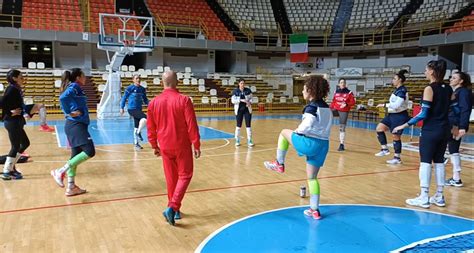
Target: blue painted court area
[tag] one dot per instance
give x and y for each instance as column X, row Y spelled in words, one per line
column 107, row 132
column 343, row 228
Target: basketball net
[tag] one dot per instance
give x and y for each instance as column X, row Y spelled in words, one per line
column 128, row 46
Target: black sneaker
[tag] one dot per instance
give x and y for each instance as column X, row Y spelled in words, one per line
column 341, row 147
column 139, row 135
column 15, row 174
column 452, row 182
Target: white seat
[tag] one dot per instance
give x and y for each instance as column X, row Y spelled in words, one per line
column 28, row 101
column 57, row 72
column 156, row 80
column 268, row 100
column 370, row 102
column 105, row 76
column 186, row 81
column 2, row 88
column 140, row 71
column 194, row 81
column 447, row 75
column 107, row 67
column 253, row 89
column 128, row 74
column 471, row 117
column 410, row 104
column 40, row 65
column 205, row 100
column 155, row 72
column 143, row 75
column 148, row 72
column 217, row 76
column 201, row 81
column 124, row 68
column 187, row 75
column 160, row 69
column 167, row 68
column 31, row 65
column 254, row 100
column 214, row 100
column 101, row 87
column 187, row 69
column 202, row 88
column 224, row 82
column 179, row 75
column 282, row 100
column 213, row 92
column 131, row 68
column 296, row 99
column 57, row 83
column 270, row 95
column 144, row 84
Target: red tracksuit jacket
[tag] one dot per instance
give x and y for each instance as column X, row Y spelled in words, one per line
column 343, row 96
column 171, row 121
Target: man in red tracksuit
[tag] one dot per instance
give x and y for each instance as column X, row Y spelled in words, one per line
column 172, row 131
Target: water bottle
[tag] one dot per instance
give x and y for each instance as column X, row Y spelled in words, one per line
column 303, row 191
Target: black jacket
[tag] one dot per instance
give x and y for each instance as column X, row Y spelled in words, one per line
column 11, row 100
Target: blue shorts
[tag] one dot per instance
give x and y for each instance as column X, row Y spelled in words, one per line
column 393, row 120
column 314, row 149
column 77, row 133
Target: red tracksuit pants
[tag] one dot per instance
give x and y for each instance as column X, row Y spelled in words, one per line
column 178, row 166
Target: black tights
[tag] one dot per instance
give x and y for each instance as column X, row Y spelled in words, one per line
column 16, row 133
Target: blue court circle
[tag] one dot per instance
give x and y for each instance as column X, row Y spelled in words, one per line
column 343, row 228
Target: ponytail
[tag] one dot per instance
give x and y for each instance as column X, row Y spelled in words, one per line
column 401, row 75
column 70, row 76
column 439, row 69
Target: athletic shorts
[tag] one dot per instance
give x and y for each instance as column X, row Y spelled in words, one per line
column 137, row 114
column 314, row 149
column 77, row 133
column 393, row 120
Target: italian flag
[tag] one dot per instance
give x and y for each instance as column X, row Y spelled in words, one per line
column 299, row 47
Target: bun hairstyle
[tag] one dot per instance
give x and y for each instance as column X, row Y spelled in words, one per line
column 401, row 75
column 13, row 73
column 466, row 79
column 439, row 69
column 69, row 76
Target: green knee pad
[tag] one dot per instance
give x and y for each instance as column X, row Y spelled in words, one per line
column 283, row 143
column 313, row 185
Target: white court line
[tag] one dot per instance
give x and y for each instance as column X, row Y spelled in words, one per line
column 151, row 152
column 439, row 238
column 205, row 241
column 57, row 136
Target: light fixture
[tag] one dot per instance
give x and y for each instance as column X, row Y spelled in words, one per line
column 47, row 49
column 33, row 48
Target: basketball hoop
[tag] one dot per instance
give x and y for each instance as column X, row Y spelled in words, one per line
column 128, row 47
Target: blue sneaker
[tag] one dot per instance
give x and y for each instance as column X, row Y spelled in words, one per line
column 169, row 214
column 177, row 216
column 438, row 199
column 15, row 174
column 6, row 176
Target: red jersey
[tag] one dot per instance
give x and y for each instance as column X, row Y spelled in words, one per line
column 171, row 121
column 343, row 97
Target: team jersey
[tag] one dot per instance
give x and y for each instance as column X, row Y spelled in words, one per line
column 136, row 97
column 343, row 100
column 74, row 99
column 398, row 101
column 316, row 121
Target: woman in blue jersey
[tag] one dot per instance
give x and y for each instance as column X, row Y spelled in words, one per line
column 461, row 83
column 74, row 105
column 397, row 108
column 135, row 94
column 310, row 139
column 436, row 130
column 242, row 100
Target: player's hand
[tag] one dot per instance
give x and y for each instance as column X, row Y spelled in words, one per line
column 460, row 134
column 75, row 113
column 197, row 153
column 122, row 112
column 157, row 152
column 26, row 116
column 398, row 128
column 16, row 112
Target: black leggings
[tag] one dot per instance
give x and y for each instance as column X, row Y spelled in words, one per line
column 17, row 135
column 241, row 113
column 89, row 149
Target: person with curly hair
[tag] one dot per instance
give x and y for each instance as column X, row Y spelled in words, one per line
column 310, row 139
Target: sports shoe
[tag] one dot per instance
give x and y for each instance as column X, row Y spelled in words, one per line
column 250, row 144
column 438, row 199
column 46, row 128
column 58, row 178
column 275, row 166
column 395, row 160
column 237, row 142
column 341, row 147
column 452, row 182
column 313, row 213
column 139, row 136
column 6, row 176
column 177, row 215
column 75, row 191
column 419, row 201
column 15, row 174
column 137, row 147
column 169, row 214
column 383, row 152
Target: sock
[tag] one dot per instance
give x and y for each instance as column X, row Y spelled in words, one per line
column 141, row 125
column 425, row 178
column 283, row 145
column 397, row 146
column 8, row 166
column 237, row 133
column 456, row 162
column 382, row 139
column 342, row 136
column 314, row 193
column 440, row 176
column 70, row 182
column 63, row 169
column 135, row 138
column 249, row 134
column 75, row 161
column 42, row 114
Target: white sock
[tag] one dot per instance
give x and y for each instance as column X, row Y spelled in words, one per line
column 281, row 154
column 440, row 176
column 42, row 115
column 135, row 139
column 63, row 169
column 249, row 133
column 314, row 201
column 141, row 125
column 342, row 136
column 384, row 147
column 8, row 166
column 237, row 133
column 456, row 162
column 425, row 178
column 70, row 182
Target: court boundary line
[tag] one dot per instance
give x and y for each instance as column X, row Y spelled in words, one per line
column 213, row 234
column 196, row 191
column 432, row 239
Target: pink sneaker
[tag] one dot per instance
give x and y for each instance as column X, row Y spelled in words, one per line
column 275, row 166
column 312, row 213
column 46, row 128
column 58, row 178
column 75, row 191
